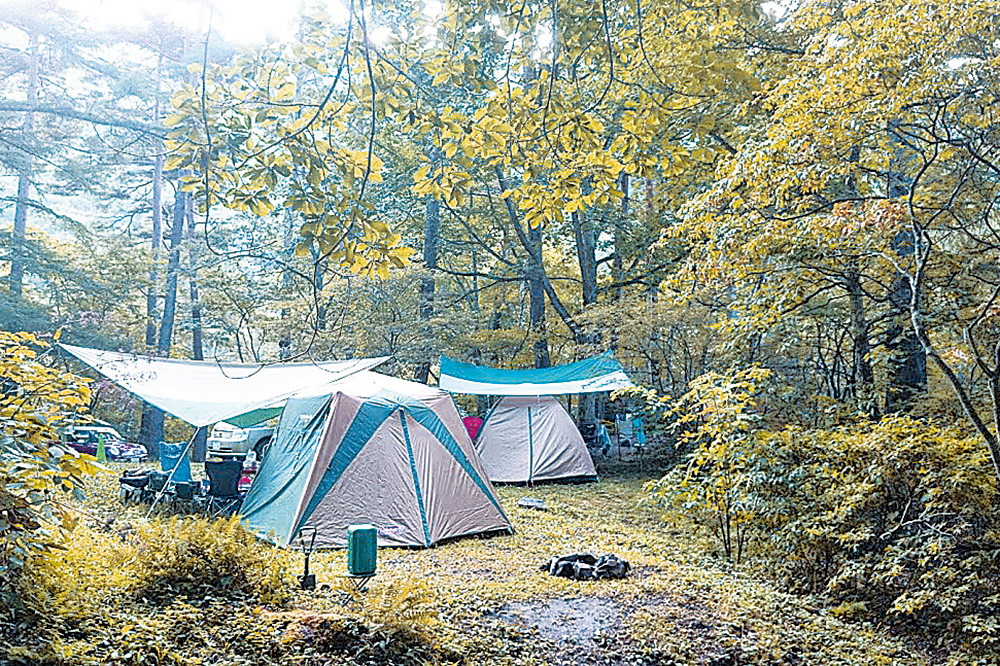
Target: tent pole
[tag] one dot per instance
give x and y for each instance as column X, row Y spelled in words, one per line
column 162, row 490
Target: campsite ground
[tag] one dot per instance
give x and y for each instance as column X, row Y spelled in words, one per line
column 475, row 601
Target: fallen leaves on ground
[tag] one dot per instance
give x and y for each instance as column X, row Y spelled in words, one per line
column 474, row 601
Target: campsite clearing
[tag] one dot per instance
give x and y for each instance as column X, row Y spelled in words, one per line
column 473, row 600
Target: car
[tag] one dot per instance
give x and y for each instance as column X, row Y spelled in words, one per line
column 227, row 440
column 85, row 438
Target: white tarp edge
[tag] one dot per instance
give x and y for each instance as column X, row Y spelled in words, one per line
column 204, row 392
column 609, row 382
column 365, row 384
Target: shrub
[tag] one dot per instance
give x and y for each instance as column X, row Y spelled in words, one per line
column 717, row 418
column 90, row 603
column 392, row 623
column 896, row 520
column 195, row 557
column 407, row 608
column 36, row 401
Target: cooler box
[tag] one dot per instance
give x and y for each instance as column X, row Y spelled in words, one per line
column 362, row 549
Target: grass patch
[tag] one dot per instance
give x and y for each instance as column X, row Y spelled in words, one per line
column 472, row 601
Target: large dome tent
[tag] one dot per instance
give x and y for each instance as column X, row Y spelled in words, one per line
column 378, row 450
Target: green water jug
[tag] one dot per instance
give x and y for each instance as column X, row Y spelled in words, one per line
column 362, row 549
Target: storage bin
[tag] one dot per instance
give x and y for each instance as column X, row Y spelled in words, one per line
column 362, row 550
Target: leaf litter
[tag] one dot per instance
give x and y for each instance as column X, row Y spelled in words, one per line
column 481, row 601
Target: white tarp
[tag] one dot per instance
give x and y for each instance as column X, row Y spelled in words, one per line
column 204, row 392
column 366, row 384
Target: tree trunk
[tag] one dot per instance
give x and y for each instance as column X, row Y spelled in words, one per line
column 173, row 272
column 156, row 234
column 618, row 265
column 319, row 264
column 149, row 432
column 153, row 430
column 862, row 377
column 586, row 253
column 908, row 364
column 20, row 231
column 534, row 277
column 432, row 231
column 285, row 344
column 536, row 295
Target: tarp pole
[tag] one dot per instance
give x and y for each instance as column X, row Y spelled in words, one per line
column 531, row 450
column 162, row 490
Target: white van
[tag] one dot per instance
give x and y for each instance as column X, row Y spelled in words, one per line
column 229, row 440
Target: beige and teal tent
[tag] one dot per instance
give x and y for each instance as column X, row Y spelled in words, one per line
column 526, row 439
column 528, row 436
column 372, row 450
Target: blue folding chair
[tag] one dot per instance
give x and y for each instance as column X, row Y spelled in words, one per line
column 638, row 433
column 171, row 456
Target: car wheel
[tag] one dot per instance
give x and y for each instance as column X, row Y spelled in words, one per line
column 261, row 449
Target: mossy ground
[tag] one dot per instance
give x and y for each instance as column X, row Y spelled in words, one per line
column 488, row 601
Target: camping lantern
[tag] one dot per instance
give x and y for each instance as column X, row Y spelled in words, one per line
column 362, row 550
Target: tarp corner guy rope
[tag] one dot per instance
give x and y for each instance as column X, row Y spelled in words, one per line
column 205, row 392
column 591, row 375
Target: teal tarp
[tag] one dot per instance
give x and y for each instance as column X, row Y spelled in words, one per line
column 598, row 373
column 255, row 417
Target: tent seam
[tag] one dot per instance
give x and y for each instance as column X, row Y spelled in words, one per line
column 416, row 481
column 531, row 449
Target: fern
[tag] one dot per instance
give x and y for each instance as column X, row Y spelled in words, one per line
column 408, row 606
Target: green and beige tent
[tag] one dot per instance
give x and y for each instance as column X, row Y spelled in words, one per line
column 378, row 450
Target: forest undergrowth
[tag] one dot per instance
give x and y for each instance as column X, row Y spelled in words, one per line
column 186, row 592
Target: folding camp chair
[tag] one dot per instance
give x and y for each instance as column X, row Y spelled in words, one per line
column 623, row 429
column 638, row 435
column 131, row 485
column 631, row 436
column 154, row 486
column 604, row 439
column 223, row 497
column 184, row 498
column 172, row 454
